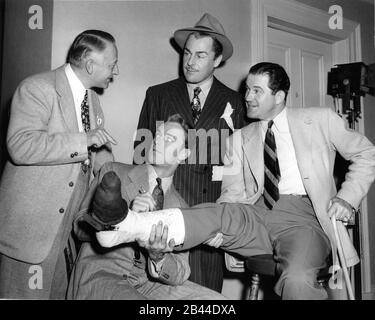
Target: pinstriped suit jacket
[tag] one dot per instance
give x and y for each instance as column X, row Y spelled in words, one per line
column 194, row 181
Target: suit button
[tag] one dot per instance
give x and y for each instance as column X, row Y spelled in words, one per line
column 61, row 210
column 72, row 155
column 71, row 184
column 204, row 191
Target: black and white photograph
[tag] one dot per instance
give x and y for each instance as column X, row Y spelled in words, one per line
column 188, row 155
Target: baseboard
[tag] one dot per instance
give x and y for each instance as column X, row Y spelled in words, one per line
column 369, row 295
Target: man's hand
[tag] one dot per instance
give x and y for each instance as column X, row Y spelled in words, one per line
column 143, row 203
column 99, row 137
column 342, row 209
column 215, row 241
column 157, row 245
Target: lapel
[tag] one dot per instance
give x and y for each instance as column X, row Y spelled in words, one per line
column 139, row 180
column 253, row 150
column 179, row 97
column 96, row 116
column 214, row 106
column 66, row 102
column 300, row 126
column 172, row 199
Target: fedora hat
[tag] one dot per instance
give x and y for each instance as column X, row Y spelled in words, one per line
column 210, row 25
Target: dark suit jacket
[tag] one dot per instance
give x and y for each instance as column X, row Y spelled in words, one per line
column 97, row 270
column 194, row 181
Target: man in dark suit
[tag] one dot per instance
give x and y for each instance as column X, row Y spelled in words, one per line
column 212, row 109
column 56, row 139
column 126, row 272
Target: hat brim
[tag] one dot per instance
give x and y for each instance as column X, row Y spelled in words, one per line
column 181, row 36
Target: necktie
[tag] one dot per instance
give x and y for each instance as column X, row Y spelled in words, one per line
column 271, row 169
column 158, row 195
column 196, row 105
column 85, row 117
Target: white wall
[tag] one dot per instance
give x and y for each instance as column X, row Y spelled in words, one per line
column 143, row 30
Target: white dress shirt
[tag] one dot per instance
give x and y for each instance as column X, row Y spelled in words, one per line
column 290, row 181
column 78, row 91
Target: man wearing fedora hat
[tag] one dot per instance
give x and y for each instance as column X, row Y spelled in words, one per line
column 206, row 104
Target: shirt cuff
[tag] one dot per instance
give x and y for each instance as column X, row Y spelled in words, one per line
column 155, row 267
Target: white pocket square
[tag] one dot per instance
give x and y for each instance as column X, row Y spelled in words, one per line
column 227, row 116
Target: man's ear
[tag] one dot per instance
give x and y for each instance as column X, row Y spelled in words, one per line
column 89, row 66
column 218, row 61
column 280, row 96
column 183, row 154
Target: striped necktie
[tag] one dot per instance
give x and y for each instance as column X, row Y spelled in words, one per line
column 271, row 169
column 196, row 105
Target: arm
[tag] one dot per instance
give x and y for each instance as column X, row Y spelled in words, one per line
column 29, row 141
column 360, row 152
column 356, row 148
column 233, row 184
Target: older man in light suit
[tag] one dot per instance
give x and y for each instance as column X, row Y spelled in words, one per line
column 294, row 203
column 126, row 272
column 56, row 139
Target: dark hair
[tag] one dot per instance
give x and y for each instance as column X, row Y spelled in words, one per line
column 177, row 118
column 278, row 78
column 217, row 47
column 86, row 42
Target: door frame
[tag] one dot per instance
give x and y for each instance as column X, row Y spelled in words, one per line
column 301, row 19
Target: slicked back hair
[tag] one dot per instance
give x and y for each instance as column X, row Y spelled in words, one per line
column 278, row 78
column 86, row 42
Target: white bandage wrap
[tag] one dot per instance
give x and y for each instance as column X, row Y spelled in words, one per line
column 137, row 227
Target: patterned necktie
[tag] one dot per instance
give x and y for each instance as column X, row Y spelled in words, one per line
column 85, row 117
column 271, row 169
column 196, row 105
column 158, row 195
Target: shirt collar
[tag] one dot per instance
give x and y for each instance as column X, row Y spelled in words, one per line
column 165, row 182
column 280, row 122
column 205, row 86
column 78, row 88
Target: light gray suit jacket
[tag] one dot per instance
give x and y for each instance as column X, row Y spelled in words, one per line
column 46, row 151
column 317, row 134
column 96, row 267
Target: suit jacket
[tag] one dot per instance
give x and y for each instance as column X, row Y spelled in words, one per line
column 46, row 151
column 94, row 261
column 194, row 181
column 317, row 134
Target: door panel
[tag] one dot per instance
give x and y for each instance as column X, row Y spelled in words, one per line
column 307, row 62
